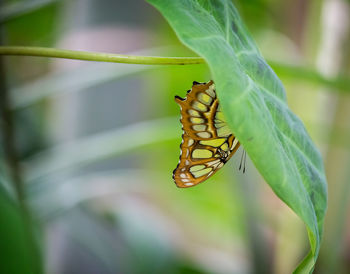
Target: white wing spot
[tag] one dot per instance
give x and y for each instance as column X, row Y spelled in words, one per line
column 204, row 134
column 234, row 144
column 196, row 120
column 199, row 127
column 199, row 106
column 213, row 163
column 220, row 165
column 194, row 113
column 211, row 91
column 190, row 142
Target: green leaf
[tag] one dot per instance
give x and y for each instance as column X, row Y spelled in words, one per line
column 254, row 104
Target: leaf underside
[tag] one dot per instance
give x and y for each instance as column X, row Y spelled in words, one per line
column 254, row 104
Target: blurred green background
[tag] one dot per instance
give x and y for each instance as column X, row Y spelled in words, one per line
column 94, row 144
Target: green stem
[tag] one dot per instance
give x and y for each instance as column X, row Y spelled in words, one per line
column 298, row 72
column 101, row 57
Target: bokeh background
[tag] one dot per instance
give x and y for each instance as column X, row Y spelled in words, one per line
column 95, row 144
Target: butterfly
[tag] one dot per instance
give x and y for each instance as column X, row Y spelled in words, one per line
column 207, row 142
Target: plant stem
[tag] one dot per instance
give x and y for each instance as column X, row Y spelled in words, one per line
column 101, row 57
column 299, row 72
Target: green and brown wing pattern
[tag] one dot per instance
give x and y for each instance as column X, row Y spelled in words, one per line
column 207, row 143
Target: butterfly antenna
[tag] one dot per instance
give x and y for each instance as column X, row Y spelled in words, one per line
column 240, row 165
column 245, row 160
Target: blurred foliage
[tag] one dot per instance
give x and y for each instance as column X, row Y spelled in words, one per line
column 15, row 239
column 120, row 212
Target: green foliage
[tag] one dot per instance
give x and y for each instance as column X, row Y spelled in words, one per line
column 14, row 10
column 15, row 239
column 254, row 103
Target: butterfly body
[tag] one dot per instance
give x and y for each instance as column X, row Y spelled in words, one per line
column 207, row 142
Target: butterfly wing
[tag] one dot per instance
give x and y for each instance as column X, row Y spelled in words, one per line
column 201, row 116
column 207, row 143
